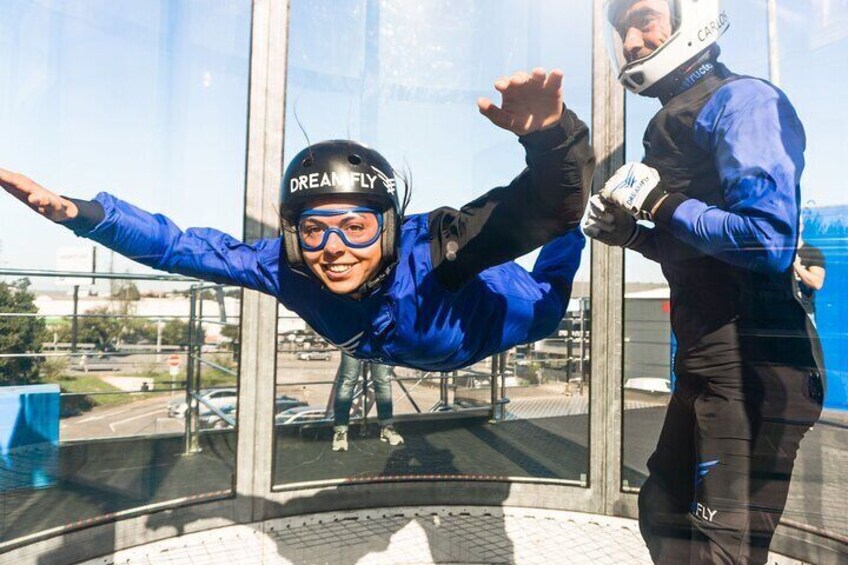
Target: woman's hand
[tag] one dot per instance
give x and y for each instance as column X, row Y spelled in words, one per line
column 48, row 204
column 530, row 101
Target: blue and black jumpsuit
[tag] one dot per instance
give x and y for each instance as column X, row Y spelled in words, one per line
column 749, row 375
column 454, row 296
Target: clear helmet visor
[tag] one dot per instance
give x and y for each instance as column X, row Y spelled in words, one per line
column 637, row 30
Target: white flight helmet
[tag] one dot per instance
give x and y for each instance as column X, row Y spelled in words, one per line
column 695, row 26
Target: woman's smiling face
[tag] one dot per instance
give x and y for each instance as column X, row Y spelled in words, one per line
column 343, row 269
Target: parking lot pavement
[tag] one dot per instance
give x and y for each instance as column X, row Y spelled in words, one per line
column 147, row 416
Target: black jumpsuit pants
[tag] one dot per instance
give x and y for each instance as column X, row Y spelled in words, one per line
column 749, row 385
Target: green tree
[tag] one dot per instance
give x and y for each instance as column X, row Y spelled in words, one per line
column 105, row 328
column 99, row 326
column 231, row 333
column 136, row 330
column 19, row 335
column 128, row 292
column 175, row 332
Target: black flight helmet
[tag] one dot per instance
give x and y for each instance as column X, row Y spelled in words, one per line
column 339, row 168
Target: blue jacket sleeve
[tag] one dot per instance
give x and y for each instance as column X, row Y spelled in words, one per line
column 757, row 142
column 204, row 253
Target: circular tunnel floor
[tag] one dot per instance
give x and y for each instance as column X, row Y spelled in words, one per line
column 407, row 535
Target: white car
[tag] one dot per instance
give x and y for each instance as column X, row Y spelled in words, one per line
column 300, row 415
column 221, row 398
column 649, row 384
column 314, row 356
column 210, row 419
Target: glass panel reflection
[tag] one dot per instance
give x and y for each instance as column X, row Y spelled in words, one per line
column 404, row 77
column 119, row 392
column 806, row 43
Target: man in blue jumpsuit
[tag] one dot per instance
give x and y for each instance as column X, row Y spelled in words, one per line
column 720, row 181
column 435, row 291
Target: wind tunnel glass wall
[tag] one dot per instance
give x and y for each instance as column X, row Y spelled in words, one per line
column 404, row 77
column 117, row 393
column 811, row 41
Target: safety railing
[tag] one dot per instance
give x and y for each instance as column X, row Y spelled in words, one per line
column 85, row 358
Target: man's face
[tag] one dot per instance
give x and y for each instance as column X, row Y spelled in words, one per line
column 643, row 27
column 342, row 269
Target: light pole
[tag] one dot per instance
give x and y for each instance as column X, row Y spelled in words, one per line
column 773, row 50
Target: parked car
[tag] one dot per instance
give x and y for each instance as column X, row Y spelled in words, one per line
column 221, row 398
column 209, row 419
column 284, row 402
column 314, row 356
column 301, row 415
column 649, row 384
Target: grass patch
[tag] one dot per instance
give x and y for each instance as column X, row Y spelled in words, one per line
column 90, row 383
column 209, row 376
column 58, row 371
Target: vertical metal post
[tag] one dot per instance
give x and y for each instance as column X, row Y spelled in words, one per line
column 258, row 354
column 443, row 390
column 159, row 341
column 198, row 342
column 363, row 403
column 569, row 352
column 503, row 399
column 74, row 320
column 493, row 384
column 190, row 444
column 773, row 47
column 607, row 275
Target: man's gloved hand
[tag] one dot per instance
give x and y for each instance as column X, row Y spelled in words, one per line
column 608, row 223
column 635, row 187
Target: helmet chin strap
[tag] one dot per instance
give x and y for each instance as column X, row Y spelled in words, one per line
column 368, row 286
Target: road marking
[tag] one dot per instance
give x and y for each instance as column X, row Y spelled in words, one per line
column 131, row 418
column 90, row 419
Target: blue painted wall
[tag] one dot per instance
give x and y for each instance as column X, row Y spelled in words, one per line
column 827, row 229
column 29, row 436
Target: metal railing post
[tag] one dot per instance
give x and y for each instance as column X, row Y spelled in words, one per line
column 493, row 385
column 364, row 367
column 191, row 444
column 502, row 401
column 74, row 320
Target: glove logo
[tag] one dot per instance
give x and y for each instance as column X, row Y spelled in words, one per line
column 630, row 182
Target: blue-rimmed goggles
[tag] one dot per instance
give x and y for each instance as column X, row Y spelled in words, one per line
column 358, row 227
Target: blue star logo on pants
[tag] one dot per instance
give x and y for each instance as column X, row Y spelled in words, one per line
column 703, row 469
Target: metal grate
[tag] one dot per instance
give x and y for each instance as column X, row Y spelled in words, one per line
column 420, row 535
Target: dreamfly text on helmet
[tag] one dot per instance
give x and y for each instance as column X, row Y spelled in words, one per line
column 318, row 180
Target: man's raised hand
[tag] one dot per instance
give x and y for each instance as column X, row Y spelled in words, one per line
column 530, row 101
column 48, row 204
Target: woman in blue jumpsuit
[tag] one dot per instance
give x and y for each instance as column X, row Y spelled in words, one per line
column 435, row 291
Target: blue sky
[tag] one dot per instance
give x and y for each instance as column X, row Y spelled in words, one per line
column 148, row 100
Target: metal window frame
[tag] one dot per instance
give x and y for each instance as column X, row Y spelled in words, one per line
column 531, row 493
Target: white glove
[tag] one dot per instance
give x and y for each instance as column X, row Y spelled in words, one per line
column 608, row 223
column 636, row 188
